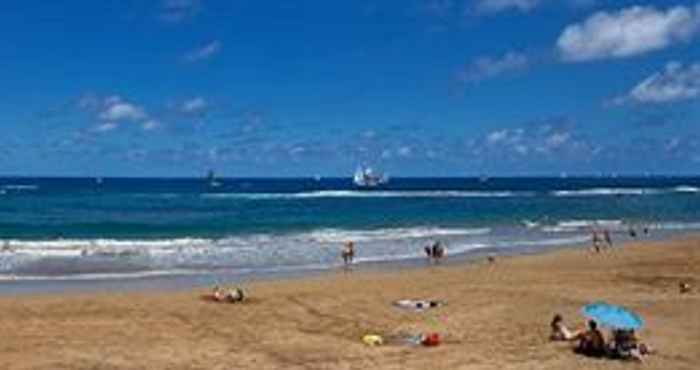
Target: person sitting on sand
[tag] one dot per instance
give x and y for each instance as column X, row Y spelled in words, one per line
column 348, row 253
column 625, row 345
column 592, row 342
column 560, row 332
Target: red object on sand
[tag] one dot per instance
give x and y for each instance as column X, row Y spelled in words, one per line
column 432, row 339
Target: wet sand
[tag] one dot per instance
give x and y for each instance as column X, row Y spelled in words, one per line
column 497, row 317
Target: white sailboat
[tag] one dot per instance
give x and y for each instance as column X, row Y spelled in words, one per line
column 211, row 179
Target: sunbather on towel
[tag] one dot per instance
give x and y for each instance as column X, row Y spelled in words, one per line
column 419, row 305
column 228, row 295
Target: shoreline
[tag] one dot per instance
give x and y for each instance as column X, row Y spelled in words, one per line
column 496, row 317
column 183, row 282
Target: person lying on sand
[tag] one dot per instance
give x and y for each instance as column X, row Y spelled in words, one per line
column 560, row 332
column 418, row 305
column 228, row 295
column 592, row 342
column 625, row 345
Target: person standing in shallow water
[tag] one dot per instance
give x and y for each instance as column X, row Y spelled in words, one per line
column 348, row 253
column 607, row 238
column 595, row 239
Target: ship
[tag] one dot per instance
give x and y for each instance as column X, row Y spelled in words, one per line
column 365, row 177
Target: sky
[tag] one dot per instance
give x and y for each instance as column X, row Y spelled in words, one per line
column 305, row 88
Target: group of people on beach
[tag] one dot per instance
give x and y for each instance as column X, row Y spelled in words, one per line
column 435, row 252
column 623, row 343
column 602, row 238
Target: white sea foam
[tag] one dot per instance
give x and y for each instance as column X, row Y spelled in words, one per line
column 686, row 189
column 605, row 192
column 96, row 247
column 101, row 276
column 340, row 236
column 530, row 224
column 370, row 194
column 579, row 225
column 19, row 187
column 676, row 226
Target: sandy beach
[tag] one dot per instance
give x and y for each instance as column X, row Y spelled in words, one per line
column 497, row 317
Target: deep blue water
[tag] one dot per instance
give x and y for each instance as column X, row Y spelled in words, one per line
column 79, row 227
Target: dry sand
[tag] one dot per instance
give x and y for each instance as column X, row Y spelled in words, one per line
column 497, row 318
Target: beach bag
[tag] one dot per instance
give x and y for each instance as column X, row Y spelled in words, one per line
column 431, row 340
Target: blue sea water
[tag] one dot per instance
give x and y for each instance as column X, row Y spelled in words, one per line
column 85, row 229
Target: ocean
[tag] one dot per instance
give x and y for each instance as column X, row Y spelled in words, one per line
column 119, row 229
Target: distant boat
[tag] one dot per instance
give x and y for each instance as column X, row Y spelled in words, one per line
column 366, row 178
column 98, row 181
column 211, row 180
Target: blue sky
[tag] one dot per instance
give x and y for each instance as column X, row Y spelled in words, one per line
column 298, row 88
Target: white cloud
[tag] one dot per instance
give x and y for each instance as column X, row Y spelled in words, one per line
column 557, row 139
column 524, row 6
column 113, row 111
column 150, row 124
column 88, row 102
column 205, row 52
column 176, row 11
column 105, row 127
column 122, row 111
column 193, row 105
column 495, row 6
column 505, row 136
column 404, row 151
column 627, row 32
column 483, row 68
column 497, row 136
column 113, row 99
column 675, row 83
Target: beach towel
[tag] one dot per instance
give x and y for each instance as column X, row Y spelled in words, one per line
column 373, row 340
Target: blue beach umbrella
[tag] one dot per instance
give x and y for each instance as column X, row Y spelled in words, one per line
column 613, row 316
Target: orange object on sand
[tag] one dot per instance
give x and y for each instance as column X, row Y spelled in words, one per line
column 431, row 340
